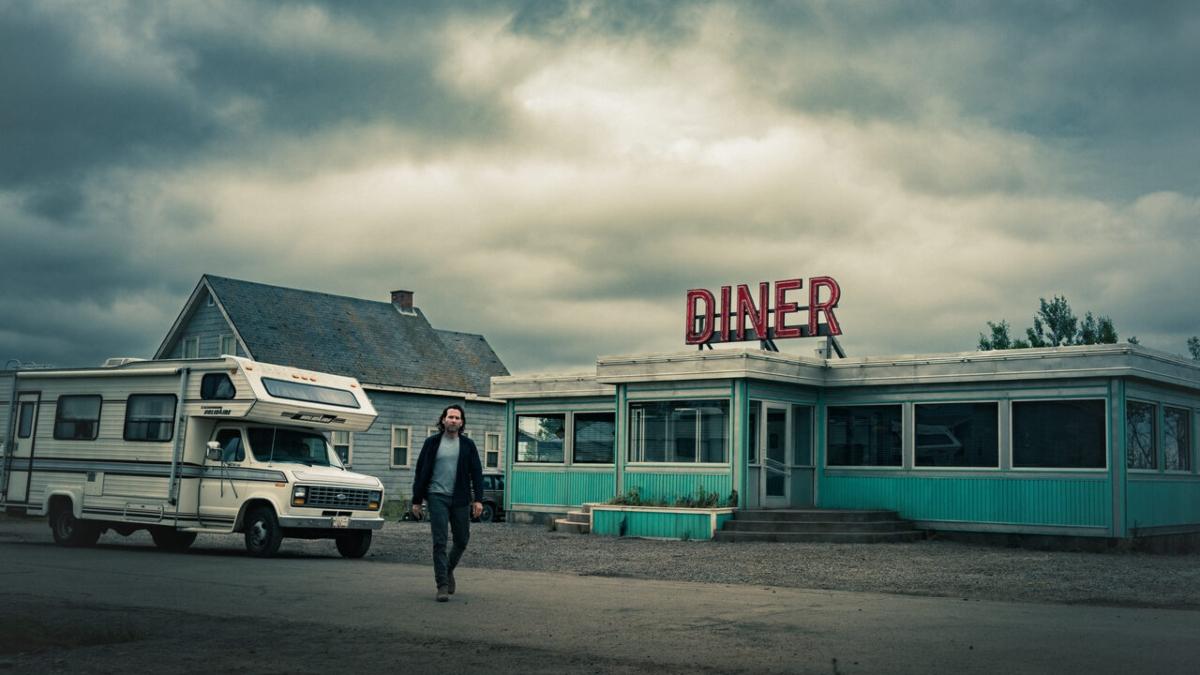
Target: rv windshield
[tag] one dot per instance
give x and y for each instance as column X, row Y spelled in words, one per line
column 280, row 444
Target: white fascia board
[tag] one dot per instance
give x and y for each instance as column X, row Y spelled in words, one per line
column 464, row 395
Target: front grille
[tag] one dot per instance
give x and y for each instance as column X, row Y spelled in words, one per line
column 320, row 496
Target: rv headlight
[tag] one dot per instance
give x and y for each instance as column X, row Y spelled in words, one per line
column 375, row 497
column 299, row 495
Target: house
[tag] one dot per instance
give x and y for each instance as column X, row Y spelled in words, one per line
column 410, row 370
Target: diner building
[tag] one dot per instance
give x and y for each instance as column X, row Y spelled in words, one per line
column 1082, row 441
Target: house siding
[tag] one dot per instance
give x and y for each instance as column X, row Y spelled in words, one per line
column 372, row 448
column 208, row 324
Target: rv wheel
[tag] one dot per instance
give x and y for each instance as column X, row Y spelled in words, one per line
column 263, row 534
column 69, row 530
column 354, row 544
column 170, row 539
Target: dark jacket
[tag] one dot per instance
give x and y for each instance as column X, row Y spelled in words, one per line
column 468, row 480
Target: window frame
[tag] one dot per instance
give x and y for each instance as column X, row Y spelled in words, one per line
column 499, row 450
column 1188, row 416
column 902, row 466
column 25, row 422
column 58, row 419
column 172, row 419
column 306, row 386
column 207, row 377
column 349, row 461
column 912, row 433
column 232, row 341
column 195, row 343
column 408, row 454
column 1012, row 445
column 1156, row 431
column 574, row 430
column 517, row 432
column 729, row 438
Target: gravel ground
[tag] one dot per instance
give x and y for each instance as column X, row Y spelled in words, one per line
column 932, row 567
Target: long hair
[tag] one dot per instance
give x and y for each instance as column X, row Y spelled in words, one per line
column 453, row 406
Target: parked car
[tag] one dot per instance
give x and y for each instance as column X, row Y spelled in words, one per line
column 493, row 497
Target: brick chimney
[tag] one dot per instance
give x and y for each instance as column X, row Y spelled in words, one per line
column 402, row 300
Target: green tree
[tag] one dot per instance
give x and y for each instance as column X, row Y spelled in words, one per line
column 1194, row 346
column 1054, row 325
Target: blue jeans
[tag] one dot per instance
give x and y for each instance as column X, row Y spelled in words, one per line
column 441, row 514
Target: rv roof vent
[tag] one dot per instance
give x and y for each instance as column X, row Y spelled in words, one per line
column 120, row 361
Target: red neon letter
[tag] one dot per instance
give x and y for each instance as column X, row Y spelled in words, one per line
column 693, row 334
column 746, row 308
column 782, row 308
column 815, row 305
column 726, row 314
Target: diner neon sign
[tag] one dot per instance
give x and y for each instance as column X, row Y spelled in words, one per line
column 740, row 316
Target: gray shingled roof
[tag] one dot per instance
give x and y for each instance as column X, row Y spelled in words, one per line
column 369, row 340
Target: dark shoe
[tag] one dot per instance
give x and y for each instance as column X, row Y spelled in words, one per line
column 442, row 594
column 450, row 583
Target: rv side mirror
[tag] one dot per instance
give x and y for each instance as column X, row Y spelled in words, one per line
column 214, row 450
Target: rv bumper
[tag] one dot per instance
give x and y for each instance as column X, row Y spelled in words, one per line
column 330, row 523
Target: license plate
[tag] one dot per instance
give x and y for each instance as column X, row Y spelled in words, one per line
column 341, row 521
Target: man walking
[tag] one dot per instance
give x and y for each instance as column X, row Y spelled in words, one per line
column 450, row 477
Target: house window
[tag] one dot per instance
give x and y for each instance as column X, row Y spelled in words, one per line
column 1058, row 434
column 865, row 435
column 400, row 446
column 209, row 301
column 1177, row 439
column 540, row 438
column 343, row 445
column 228, row 345
column 432, row 431
column 77, row 418
column 150, row 417
column 491, row 450
column 957, row 435
column 595, row 438
column 191, row 347
column 690, row 431
column 1141, row 446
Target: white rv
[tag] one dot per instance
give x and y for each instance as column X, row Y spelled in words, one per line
column 187, row 446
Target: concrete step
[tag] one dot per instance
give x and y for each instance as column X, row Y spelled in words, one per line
column 823, row 537
column 570, row 526
column 740, row 525
column 816, row 515
column 579, row 517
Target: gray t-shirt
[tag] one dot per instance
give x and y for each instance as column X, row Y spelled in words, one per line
column 445, row 469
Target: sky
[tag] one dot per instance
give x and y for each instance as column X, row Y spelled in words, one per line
column 557, row 175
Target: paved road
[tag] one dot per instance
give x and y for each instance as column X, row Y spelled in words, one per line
column 509, row 619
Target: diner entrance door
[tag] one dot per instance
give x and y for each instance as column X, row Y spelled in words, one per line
column 776, row 459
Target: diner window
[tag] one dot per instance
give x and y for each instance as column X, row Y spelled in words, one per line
column 401, row 444
column 540, row 438
column 150, row 417
column 191, row 348
column 343, row 445
column 1141, row 446
column 690, row 432
column 217, row 387
column 77, row 418
column 802, row 434
column 595, row 438
column 865, row 435
column 1177, row 439
column 957, row 435
column 1058, row 434
column 491, row 450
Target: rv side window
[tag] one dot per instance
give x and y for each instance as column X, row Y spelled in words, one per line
column 217, row 387
column 232, row 449
column 25, row 427
column 150, row 417
column 298, row 391
column 77, row 418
